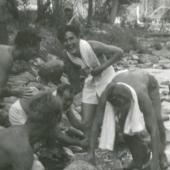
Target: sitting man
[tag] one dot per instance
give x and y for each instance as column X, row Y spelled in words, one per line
column 134, row 96
column 18, row 114
column 44, row 113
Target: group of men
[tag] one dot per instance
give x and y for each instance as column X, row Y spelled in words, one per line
column 133, row 96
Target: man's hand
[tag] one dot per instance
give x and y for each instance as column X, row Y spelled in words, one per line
column 84, row 143
column 23, row 92
column 97, row 71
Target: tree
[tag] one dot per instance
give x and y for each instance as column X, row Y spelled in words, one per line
column 42, row 9
column 114, row 10
column 90, row 12
column 57, row 12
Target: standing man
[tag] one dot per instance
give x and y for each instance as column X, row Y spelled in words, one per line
column 7, row 8
column 71, row 18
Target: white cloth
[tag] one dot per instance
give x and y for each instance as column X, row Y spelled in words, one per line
column 98, row 83
column 17, row 115
column 88, row 56
column 107, row 138
column 134, row 122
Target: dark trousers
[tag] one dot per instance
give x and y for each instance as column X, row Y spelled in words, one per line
column 139, row 149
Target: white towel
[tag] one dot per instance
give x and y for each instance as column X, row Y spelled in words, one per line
column 88, row 57
column 107, row 138
column 17, row 115
column 134, row 122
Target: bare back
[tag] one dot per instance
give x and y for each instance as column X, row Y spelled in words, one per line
column 15, row 150
column 138, row 79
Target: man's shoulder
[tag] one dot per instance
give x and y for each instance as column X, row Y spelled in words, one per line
column 5, row 47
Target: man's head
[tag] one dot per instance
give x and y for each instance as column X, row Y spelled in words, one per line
column 65, row 93
column 44, row 109
column 70, row 37
column 120, row 97
column 68, row 11
column 27, row 44
column 51, row 71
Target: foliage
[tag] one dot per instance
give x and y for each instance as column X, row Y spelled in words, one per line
column 115, row 35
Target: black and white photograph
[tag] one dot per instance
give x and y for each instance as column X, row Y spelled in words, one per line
column 84, row 84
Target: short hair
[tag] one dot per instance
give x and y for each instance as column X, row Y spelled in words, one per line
column 51, row 71
column 44, row 109
column 67, row 28
column 27, row 37
column 61, row 88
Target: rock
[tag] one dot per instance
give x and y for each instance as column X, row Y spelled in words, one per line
column 135, row 57
column 166, row 107
column 80, row 165
column 157, row 46
column 168, row 45
column 166, row 66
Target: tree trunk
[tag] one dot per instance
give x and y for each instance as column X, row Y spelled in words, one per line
column 57, row 12
column 90, row 12
column 114, row 10
column 39, row 10
column 3, row 33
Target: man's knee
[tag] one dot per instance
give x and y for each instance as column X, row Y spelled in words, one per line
column 139, row 149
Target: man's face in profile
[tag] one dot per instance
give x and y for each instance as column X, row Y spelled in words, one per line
column 67, row 99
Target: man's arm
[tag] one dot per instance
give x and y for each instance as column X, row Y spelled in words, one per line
column 67, row 140
column 98, row 122
column 73, row 120
column 152, row 127
column 116, row 54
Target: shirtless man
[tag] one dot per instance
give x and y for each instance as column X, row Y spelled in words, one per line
column 44, row 113
column 27, row 44
column 147, row 90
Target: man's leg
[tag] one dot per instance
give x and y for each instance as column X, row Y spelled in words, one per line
column 139, row 150
column 154, row 95
column 88, row 114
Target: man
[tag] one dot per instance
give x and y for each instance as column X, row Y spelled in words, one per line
column 26, row 47
column 120, row 96
column 70, row 17
column 44, row 113
column 7, row 8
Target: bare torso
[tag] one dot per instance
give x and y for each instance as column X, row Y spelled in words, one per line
column 138, row 79
column 15, row 150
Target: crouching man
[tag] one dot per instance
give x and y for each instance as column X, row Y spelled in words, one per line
column 16, row 153
column 134, row 96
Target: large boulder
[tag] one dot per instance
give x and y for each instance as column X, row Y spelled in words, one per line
column 80, row 165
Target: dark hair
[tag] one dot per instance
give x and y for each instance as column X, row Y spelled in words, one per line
column 51, row 71
column 44, row 109
column 71, row 28
column 61, row 88
column 27, row 37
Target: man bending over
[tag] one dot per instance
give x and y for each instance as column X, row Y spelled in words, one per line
column 135, row 97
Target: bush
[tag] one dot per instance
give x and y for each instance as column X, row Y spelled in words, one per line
column 121, row 37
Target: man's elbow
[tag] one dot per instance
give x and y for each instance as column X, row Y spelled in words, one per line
column 120, row 53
